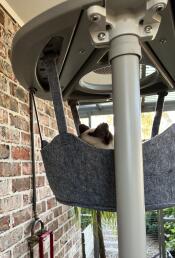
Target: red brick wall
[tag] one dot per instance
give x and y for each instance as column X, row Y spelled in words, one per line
column 15, row 165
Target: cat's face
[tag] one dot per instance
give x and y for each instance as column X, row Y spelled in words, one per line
column 99, row 137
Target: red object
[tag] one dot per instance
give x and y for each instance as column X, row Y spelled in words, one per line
column 42, row 238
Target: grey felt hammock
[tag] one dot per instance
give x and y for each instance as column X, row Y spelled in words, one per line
column 82, row 175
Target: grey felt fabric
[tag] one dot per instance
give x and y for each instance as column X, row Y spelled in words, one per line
column 81, row 175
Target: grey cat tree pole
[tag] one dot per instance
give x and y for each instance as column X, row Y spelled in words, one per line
column 121, row 25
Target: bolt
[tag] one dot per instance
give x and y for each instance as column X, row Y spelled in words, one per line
column 82, row 51
column 95, row 17
column 148, row 28
column 163, row 41
column 160, row 7
column 101, row 36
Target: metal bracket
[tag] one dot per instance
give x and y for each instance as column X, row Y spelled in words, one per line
column 107, row 23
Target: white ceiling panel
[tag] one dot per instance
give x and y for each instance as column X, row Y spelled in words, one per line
column 27, row 9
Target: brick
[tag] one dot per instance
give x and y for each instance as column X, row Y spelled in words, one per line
column 4, row 224
column 71, row 213
column 10, row 203
column 20, row 249
column 22, row 216
column 14, row 105
column 36, row 251
column 8, row 102
column 68, row 246
column 46, row 255
column 4, row 133
column 49, row 111
column 26, row 168
column 57, row 211
column 3, row 50
column 53, row 225
column 6, row 69
column 40, row 104
column 41, row 207
column 10, row 239
column 18, row 92
column 4, row 151
column 66, row 208
column 25, row 138
column 20, row 184
column 27, row 255
column 13, row 88
column 47, row 217
column 5, row 101
column 5, row 37
column 44, row 119
column 7, row 254
column 49, row 132
column 5, row 187
column 27, row 229
column 14, row 136
column 58, row 234
column 40, row 181
column 3, row 116
column 67, row 226
column 40, row 167
column 62, row 219
column 19, row 122
column 61, row 254
column 10, row 169
column 53, row 124
column 44, row 192
column 20, row 153
column 51, row 203
column 77, row 255
column 27, row 198
column 24, row 109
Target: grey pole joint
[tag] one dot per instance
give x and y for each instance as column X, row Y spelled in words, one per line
column 110, row 22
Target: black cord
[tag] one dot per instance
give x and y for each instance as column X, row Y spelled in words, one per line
column 32, row 153
column 37, row 119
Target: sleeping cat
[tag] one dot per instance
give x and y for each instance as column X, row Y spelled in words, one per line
column 99, row 137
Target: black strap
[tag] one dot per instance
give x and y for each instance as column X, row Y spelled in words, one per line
column 158, row 115
column 77, row 122
column 55, row 88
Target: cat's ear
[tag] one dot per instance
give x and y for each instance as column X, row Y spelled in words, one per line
column 102, row 132
column 83, row 128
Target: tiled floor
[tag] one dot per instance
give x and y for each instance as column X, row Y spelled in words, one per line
column 111, row 244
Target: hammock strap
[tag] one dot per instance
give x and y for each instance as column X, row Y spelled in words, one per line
column 32, row 155
column 76, row 118
column 158, row 115
column 55, row 89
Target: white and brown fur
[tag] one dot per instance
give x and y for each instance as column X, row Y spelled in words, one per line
column 99, row 137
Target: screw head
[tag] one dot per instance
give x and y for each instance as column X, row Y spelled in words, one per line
column 148, row 28
column 82, row 51
column 95, row 17
column 101, row 36
column 160, row 7
column 163, row 41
